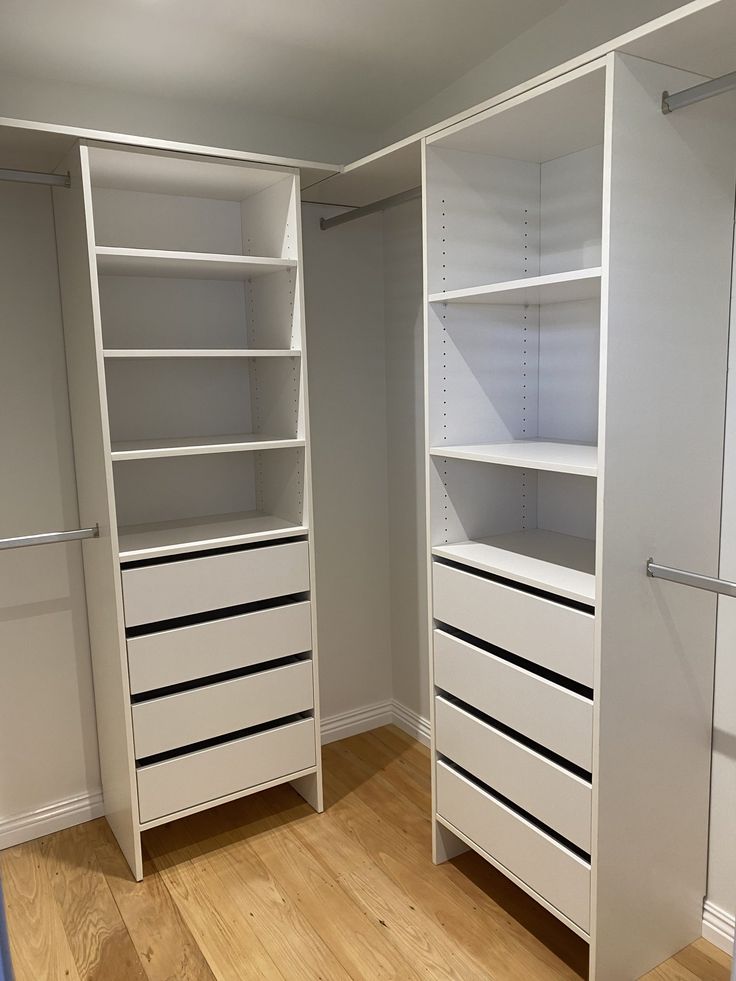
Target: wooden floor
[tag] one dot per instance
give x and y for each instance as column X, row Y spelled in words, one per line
column 265, row 888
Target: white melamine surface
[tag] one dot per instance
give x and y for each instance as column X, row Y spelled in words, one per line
column 552, row 794
column 177, row 174
column 169, row 657
column 528, row 453
column 542, row 863
column 148, row 449
column 211, row 582
column 192, row 265
column 564, row 287
column 540, row 630
column 225, row 770
column 562, row 564
column 547, row 713
column 199, row 353
column 153, row 540
column 189, row 717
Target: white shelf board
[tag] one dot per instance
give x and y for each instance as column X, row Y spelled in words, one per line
column 186, row 265
column 149, row 541
column 147, row 449
column 133, row 353
column 529, row 454
column 560, row 564
column 579, row 284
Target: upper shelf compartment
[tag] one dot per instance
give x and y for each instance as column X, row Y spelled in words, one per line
column 517, row 192
column 150, row 201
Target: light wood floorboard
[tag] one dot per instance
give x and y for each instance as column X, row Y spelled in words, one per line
column 266, row 888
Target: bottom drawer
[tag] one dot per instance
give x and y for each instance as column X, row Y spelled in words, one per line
column 218, row 771
column 556, row 874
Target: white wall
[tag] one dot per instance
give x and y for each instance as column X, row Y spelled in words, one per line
column 346, row 348
column 231, row 127
column 48, row 743
column 571, row 30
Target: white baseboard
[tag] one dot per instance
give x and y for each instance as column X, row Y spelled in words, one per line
column 408, row 720
column 54, row 817
column 357, row 720
column 719, row 926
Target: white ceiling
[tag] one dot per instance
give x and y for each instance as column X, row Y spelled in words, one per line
column 357, row 63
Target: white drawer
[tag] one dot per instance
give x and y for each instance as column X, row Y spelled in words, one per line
column 550, row 793
column 167, row 723
column 186, row 653
column 556, row 636
column 213, row 582
column 547, row 867
column 553, row 716
column 220, row 771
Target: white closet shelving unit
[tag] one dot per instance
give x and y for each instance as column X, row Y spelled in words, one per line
column 182, row 294
column 577, row 247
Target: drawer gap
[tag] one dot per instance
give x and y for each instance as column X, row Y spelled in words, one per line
column 228, row 737
column 205, row 553
column 499, row 798
column 531, row 666
column 208, row 616
column 518, row 737
column 514, row 584
column 210, row 679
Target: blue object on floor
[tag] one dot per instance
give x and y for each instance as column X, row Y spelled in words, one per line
column 6, row 968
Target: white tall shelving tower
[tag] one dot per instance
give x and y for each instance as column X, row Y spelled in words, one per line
column 577, row 268
column 182, row 294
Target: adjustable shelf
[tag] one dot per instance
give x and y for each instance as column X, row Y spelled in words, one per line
column 149, row 449
column 140, row 353
column 156, row 539
column 559, row 564
column 188, row 265
column 532, row 454
column 564, row 287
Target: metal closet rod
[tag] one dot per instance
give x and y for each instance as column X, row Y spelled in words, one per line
column 32, row 177
column 50, row 538
column 369, row 209
column 705, row 90
column 711, row 583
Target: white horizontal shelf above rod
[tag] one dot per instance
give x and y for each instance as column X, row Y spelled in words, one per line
column 560, row 564
column 148, row 449
column 580, row 284
column 528, row 454
column 185, row 265
column 139, row 353
column 148, row 541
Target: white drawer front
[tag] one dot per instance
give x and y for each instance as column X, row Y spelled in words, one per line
column 552, row 794
column 186, row 653
column 213, row 582
column 167, row 723
column 197, row 778
column 558, row 637
column 547, row 867
column 558, row 719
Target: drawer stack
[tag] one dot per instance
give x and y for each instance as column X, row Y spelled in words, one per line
column 221, row 676
column 513, row 712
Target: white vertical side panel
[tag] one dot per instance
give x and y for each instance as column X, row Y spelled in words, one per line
column 83, row 338
column 309, row 787
column 664, row 336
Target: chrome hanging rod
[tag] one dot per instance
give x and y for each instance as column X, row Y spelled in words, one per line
column 31, row 177
column 50, row 538
column 705, row 90
column 713, row 585
column 369, row 209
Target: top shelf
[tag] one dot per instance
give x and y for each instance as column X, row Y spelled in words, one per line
column 579, row 284
column 185, row 265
